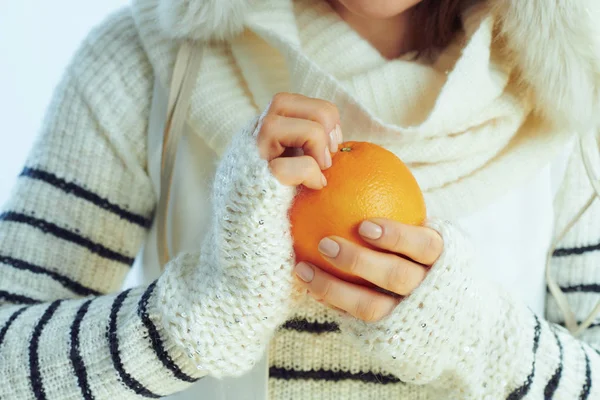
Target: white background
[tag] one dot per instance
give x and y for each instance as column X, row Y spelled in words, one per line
column 37, row 40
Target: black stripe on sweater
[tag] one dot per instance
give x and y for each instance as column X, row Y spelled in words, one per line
column 587, row 386
column 78, row 191
column 555, row 380
column 583, row 288
column 35, row 375
column 68, row 283
column 155, row 340
column 62, row 233
column 303, row 325
column 522, row 391
column 575, row 251
column 16, row 298
column 113, row 343
column 10, row 321
column 331, row 376
column 75, row 355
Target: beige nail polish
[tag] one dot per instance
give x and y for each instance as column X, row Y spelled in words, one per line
column 324, row 180
column 338, row 132
column 328, row 161
column 370, row 230
column 305, row 272
column 329, row 248
column 333, row 141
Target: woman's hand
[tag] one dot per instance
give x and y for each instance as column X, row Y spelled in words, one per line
column 293, row 121
column 414, row 250
column 209, row 308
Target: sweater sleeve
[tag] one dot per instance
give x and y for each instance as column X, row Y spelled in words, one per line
column 75, row 222
column 471, row 340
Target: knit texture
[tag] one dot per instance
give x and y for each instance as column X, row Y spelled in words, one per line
column 459, row 335
column 75, row 222
column 83, row 206
column 224, row 305
column 458, row 121
column 457, row 131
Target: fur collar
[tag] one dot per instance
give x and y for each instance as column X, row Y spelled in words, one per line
column 554, row 44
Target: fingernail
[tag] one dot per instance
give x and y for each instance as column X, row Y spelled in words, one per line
column 305, row 272
column 324, row 180
column 338, row 132
column 370, row 230
column 327, row 158
column 329, row 248
column 333, row 141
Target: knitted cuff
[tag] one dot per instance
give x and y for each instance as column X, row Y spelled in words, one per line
column 223, row 305
column 436, row 326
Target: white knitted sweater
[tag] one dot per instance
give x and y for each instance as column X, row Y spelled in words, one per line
column 84, row 203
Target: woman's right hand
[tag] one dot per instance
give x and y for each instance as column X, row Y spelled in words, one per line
column 222, row 304
column 296, row 122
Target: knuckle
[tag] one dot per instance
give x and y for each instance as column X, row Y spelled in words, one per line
column 325, row 291
column 269, row 126
column 437, row 245
column 316, row 131
column 367, row 309
column 432, row 246
column 397, row 277
column 355, row 261
column 398, row 239
column 327, row 114
column 321, row 116
column 332, row 111
column 278, row 101
column 276, row 166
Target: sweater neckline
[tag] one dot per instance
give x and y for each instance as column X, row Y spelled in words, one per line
column 400, row 92
column 462, row 139
column 333, row 44
column 474, row 131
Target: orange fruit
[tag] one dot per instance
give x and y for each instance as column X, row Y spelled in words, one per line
column 365, row 181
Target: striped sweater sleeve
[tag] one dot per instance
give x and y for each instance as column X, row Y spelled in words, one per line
column 75, row 221
column 69, row 234
column 468, row 339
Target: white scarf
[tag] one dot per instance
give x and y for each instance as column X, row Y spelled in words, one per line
column 468, row 136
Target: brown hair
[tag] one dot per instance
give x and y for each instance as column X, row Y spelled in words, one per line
column 435, row 22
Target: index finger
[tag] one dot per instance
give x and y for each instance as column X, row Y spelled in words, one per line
column 295, row 105
column 422, row 245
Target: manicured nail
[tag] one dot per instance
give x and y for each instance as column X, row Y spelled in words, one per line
column 370, row 230
column 305, row 272
column 324, row 180
column 338, row 132
column 333, row 141
column 329, row 248
column 328, row 161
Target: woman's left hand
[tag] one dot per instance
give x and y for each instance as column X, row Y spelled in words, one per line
column 414, row 250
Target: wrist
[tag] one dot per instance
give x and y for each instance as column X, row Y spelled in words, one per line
column 220, row 322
